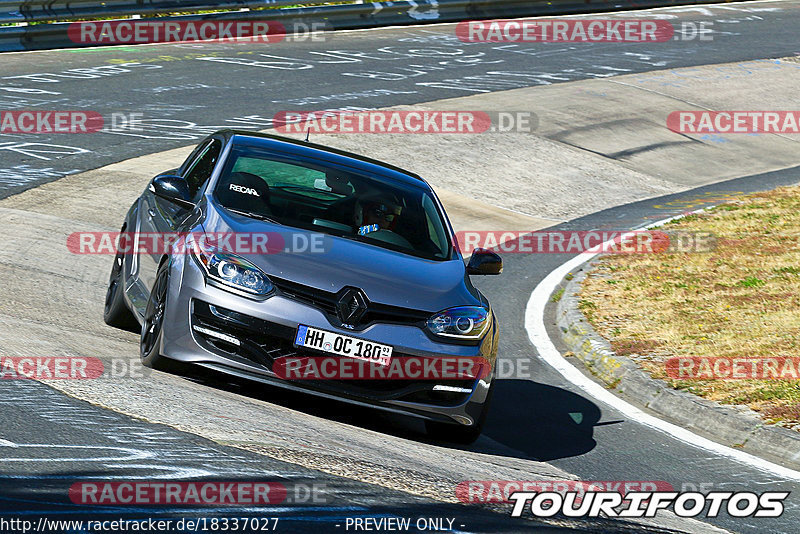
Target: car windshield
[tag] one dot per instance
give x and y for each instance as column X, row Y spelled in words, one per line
column 317, row 196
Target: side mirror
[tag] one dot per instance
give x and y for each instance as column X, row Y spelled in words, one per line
column 484, row 262
column 172, row 188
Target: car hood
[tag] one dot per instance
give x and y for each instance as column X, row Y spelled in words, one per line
column 385, row 276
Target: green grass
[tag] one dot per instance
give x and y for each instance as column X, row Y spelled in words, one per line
column 739, row 300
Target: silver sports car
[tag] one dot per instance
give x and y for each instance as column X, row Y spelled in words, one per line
column 312, row 269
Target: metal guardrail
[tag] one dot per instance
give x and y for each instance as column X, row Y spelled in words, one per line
column 12, row 11
column 339, row 16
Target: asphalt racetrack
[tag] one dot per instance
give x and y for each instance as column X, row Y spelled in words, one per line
column 368, row 465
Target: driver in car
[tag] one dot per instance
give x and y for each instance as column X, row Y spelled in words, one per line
column 374, row 214
column 382, row 214
column 378, row 217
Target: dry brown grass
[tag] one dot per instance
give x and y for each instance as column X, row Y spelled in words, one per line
column 740, row 300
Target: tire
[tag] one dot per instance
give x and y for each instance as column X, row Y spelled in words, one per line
column 153, row 324
column 116, row 313
column 456, row 433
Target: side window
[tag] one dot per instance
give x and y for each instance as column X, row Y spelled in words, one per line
column 187, row 163
column 200, row 170
column 436, row 232
column 277, row 173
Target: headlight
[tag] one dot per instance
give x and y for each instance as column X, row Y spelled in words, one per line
column 464, row 322
column 232, row 270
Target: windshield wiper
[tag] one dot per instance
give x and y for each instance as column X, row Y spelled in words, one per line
column 253, row 215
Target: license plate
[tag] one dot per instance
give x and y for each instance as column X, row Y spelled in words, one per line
column 351, row 347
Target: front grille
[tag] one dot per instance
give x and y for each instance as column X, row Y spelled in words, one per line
column 322, row 300
column 325, row 301
column 262, row 342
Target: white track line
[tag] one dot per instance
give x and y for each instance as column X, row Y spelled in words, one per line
column 537, row 333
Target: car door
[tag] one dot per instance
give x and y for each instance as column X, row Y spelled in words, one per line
column 160, row 217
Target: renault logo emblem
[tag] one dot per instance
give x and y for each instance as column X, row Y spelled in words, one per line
column 351, row 306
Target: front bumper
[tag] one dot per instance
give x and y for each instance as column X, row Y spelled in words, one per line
column 265, row 330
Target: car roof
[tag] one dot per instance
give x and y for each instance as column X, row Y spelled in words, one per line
column 305, row 149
